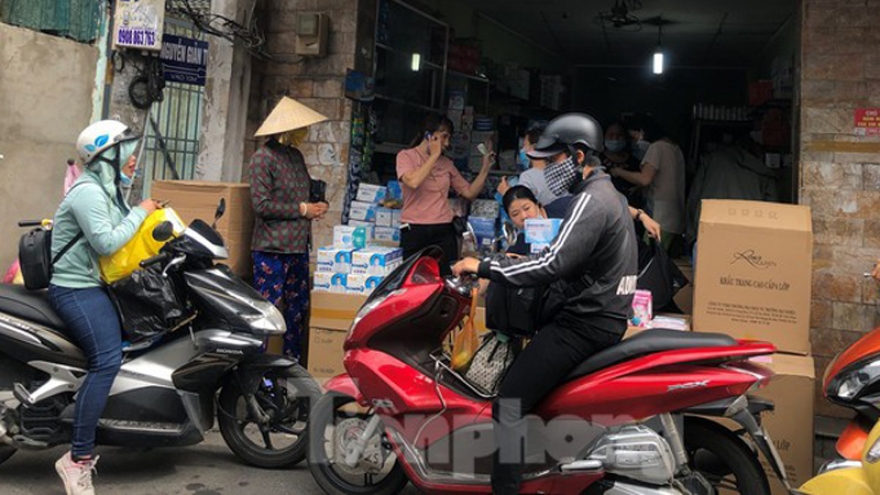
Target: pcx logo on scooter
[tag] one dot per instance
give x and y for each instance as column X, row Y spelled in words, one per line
column 688, row 386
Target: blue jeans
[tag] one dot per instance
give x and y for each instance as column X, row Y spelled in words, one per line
column 91, row 319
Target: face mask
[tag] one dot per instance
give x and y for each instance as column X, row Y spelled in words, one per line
column 640, row 148
column 294, row 138
column 615, row 145
column 561, row 176
column 124, row 180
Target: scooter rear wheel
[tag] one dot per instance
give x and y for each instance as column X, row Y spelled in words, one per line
column 333, row 412
column 723, row 458
column 284, row 441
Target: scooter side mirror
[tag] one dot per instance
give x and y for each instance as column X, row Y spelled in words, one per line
column 163, row 231
column 468, row 240
column 221, row 209
column 509, row 232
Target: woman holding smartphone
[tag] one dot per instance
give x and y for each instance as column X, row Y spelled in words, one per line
column 425, row 177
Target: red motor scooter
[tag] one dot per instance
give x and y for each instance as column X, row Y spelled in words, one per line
column 629, row 420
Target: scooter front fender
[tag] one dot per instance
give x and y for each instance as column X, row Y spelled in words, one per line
column 345, row 384
column 851, row 481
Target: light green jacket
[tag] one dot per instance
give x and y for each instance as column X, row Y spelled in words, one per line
column 91, row 206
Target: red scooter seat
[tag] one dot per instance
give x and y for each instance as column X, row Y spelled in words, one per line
column 648, row 342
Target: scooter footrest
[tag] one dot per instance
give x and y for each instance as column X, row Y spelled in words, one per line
column 22, row 394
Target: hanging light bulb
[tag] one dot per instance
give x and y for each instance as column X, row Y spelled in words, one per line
column 658, row 53
column 658, row 61
column 416, row 62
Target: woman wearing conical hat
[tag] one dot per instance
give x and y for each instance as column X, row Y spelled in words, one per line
column 279, row 183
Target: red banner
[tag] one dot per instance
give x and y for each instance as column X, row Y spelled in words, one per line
column 867, row 121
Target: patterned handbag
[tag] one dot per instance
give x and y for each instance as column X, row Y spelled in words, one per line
column 491, row 360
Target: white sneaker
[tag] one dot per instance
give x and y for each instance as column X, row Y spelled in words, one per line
column 77, row 476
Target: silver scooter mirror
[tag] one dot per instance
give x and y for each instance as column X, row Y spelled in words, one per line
column 509, row 232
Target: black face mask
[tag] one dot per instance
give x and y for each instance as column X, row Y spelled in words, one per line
column 561, row 176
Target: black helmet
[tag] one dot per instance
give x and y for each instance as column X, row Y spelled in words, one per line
column 567, row 130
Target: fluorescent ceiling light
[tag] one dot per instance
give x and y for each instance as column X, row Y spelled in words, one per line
column 416, row 62
column 658, row 62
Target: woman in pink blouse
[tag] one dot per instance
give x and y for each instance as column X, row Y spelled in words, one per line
column 426, row 176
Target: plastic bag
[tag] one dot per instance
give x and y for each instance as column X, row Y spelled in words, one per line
column 147, row 303
column 13, row 275
column 466, row 342
column 141, row 246
column 660, row 275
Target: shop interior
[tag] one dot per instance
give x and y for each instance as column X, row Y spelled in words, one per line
column 711, row 73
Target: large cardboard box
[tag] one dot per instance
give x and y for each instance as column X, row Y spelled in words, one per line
column 790, row 425
column 195, row 199
column 330, row 318
column 325, row 352
column 754, row 272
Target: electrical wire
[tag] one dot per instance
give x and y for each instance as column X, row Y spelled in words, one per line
column 248, row 35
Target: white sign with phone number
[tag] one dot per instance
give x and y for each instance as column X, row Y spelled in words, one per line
column 138, row 24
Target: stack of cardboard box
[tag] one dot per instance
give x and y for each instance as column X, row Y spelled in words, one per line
column 370, row 209
column 199, row 200
column 754, row 281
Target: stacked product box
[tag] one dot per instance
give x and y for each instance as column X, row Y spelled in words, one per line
column 484, row 228
column 362, row 283
column 353, row 236
column 376, row 260
column 370, row 266
column 387, row 235
column 363, row 212
column 540, row 232
column 371, row 193
column 334, row 265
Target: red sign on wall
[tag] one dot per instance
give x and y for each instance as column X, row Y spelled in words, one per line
column 868, row 121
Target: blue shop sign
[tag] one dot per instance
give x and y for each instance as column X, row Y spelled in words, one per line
column 185, row 60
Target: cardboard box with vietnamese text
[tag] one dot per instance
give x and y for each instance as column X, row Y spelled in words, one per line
column 754, row 272
column 199, row 200
column 790, row 424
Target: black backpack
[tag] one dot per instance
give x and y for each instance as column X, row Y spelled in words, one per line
column 35, row 257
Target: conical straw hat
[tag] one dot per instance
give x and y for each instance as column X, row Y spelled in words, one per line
column 288, row 115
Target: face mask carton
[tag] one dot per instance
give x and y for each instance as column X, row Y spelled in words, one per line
column 376, row 260
column 542, row 230
column 334, row 260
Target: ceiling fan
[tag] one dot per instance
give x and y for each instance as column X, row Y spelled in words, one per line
column 620, row 16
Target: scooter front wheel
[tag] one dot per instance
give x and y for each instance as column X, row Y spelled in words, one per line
column 286, row 396
column 336, row 421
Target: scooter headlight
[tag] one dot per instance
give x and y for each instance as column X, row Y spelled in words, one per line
column 268, row 320
column 849, row 383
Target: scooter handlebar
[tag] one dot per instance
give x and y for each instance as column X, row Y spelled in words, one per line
column 30, row 223
column 155, row 259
